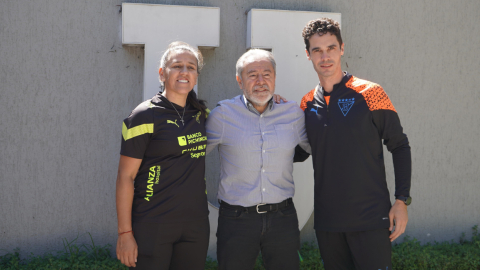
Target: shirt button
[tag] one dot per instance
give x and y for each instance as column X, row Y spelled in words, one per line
column 263, row 133
column 263, row 189
column 263, row 151
column 261, row 115
column 263, row 170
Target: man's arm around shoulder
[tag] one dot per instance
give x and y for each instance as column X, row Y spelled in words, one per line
column 215, row 128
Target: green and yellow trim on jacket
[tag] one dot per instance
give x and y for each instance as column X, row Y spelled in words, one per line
column 133, row 132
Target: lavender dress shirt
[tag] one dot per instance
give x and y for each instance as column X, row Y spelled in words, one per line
column 256, row 150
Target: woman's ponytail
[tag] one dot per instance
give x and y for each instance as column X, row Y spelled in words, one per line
column 198, row 104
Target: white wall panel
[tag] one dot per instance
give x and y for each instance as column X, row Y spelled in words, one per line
column 156, row 26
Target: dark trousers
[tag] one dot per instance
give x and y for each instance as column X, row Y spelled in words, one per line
column 242, row 234
column 355, row 250
column 179, row 246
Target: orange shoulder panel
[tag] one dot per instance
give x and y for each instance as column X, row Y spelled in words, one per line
column 373, row 94
column 308, row 97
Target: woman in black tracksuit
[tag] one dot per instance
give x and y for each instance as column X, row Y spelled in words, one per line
column 161, row 201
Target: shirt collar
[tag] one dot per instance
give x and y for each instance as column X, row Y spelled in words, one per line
column 345, row 78
column 252, row 109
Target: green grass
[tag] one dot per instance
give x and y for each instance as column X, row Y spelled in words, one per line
column 83, row 257
column 446, row 255
column 462, row 255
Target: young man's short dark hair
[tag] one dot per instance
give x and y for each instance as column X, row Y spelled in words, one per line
column 321, row 27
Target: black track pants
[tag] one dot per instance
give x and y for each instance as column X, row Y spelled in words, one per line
column 355, row 250
column 179, row 246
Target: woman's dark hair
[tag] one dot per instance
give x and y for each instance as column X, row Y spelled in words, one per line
column 198, row 104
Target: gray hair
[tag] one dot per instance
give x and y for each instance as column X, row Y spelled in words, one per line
column 180, row 46
column 254, row 54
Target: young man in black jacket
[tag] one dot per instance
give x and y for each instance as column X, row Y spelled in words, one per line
column 347, row 119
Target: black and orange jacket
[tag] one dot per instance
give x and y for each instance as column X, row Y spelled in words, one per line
column 345, row 131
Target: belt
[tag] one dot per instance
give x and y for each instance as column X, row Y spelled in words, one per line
column 261, row 208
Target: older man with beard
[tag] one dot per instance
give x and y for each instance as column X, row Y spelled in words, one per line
column 256, row 140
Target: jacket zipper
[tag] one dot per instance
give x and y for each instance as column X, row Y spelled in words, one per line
column 328, row 116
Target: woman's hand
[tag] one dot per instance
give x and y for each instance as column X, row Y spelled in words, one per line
column 127, row 250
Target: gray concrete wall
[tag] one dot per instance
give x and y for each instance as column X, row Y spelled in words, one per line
column 66, row 82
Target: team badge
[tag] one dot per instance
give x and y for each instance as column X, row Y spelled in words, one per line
column 345, row 105
column 197, row 116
